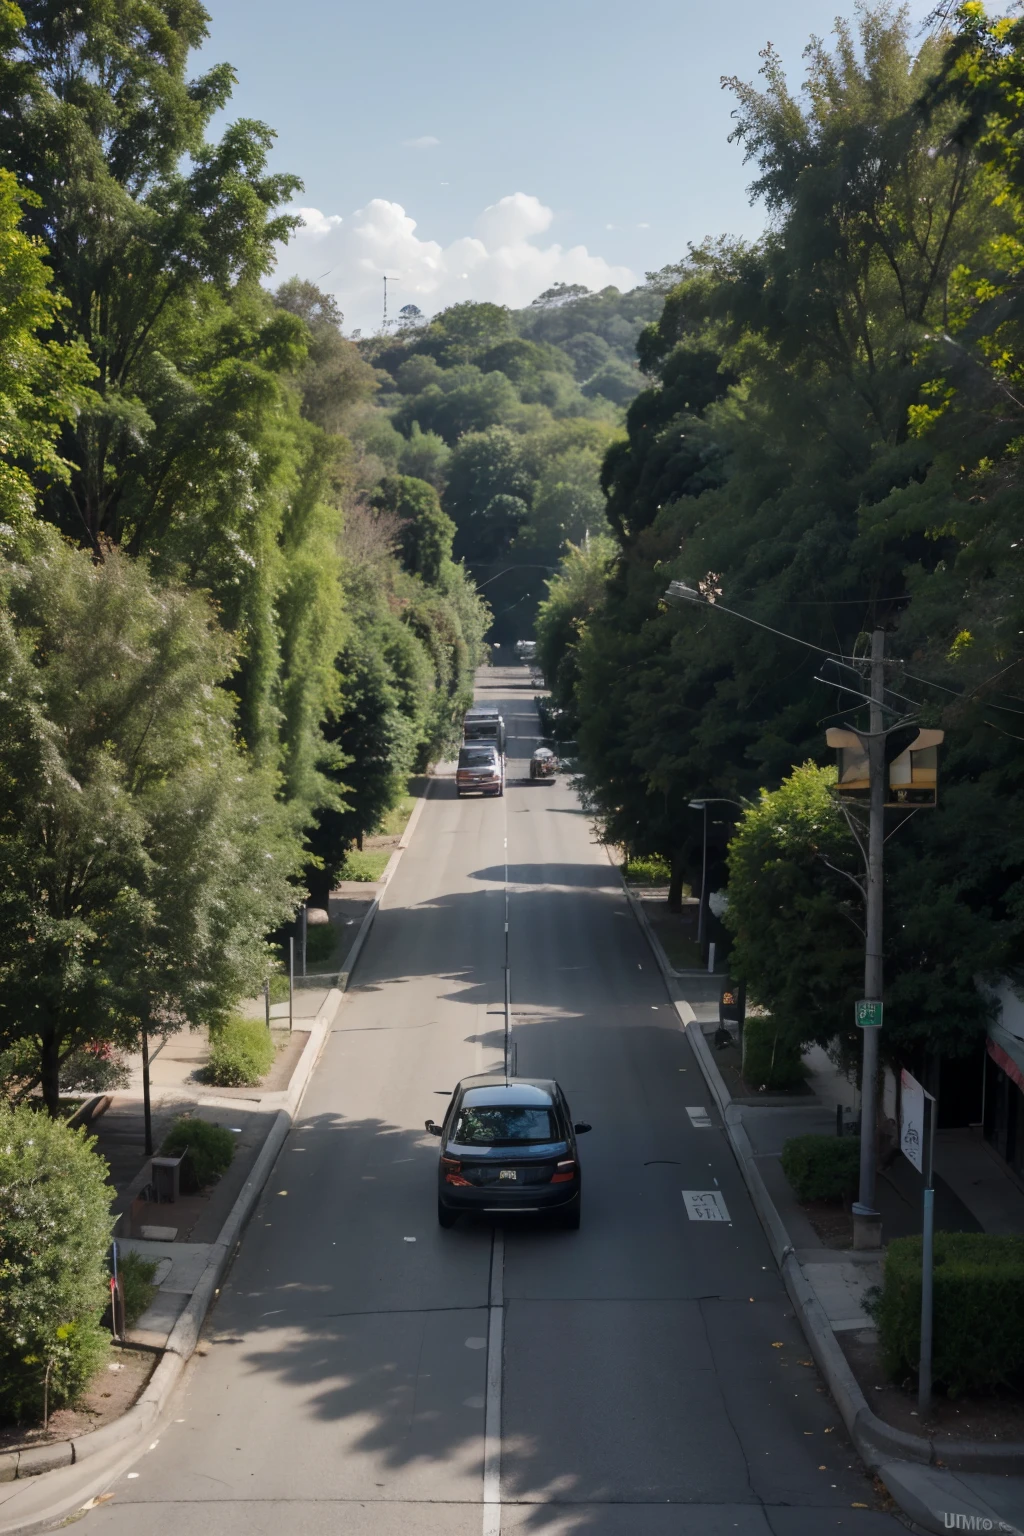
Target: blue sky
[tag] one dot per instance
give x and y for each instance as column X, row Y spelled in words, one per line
column 483, row 150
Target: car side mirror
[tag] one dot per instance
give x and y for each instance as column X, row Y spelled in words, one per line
column 581, row 1126
column 435, row 1130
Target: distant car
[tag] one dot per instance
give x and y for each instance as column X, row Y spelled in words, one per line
column 481, row 770
column 508, row 1146
column 543, row 764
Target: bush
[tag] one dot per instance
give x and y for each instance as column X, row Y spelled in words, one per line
column 771, row 1057
column 648, row 871
column 978, row 1312
column 136, row 1276
column 94, row 1068
column 822, row 1167
column 54, row 1233
column 241, row 1054
column 210, row 1149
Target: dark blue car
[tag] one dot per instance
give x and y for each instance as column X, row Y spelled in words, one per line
column 508, row 1146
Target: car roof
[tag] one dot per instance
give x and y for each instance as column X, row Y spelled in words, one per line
column 479, row 746
column 495, row 1088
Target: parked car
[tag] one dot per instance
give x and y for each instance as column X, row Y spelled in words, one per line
column 481, row 770
column 543, row 764
column 508, row 1145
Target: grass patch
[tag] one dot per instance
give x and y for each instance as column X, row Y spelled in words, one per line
column 241, row 1054
column 208, row 1148
column 397, row 819
column 320, row 942
column 136, row 1276
column 367, row 866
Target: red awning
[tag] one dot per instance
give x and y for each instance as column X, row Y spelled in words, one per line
column 1008, row 1065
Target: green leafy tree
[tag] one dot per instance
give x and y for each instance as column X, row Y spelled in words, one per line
column 41, row 382
column 142, row 857
column 485, row 466
column 426, row 531
column 795, row 909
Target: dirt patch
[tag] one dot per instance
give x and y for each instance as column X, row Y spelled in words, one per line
column 832, row 1222
column 995, row 1418
column 112, row 1391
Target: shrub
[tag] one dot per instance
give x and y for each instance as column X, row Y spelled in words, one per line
column 278, row 987
column 136, row 1276
column 241, row 1054
column 978, row 1326
column 54, row 1232
column 210, row 1149
column 648, row 871
column 96, row 1068
column 771, row 1056
column 822, row 1167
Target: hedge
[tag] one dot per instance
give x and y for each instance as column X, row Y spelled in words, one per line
column 55, row 1226
column 209, row 1150
column 771, row 1056
column 241, row 1054
column 978, row 1310
column 822, row 1167
column 136, row 1276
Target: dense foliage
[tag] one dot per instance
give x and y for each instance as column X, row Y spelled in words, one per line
column 978, row 1310
column 55, row 1228
column 830, row 441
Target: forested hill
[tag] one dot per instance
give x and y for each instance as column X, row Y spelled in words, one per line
column 508, row 414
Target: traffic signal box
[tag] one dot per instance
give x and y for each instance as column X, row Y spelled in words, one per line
column 913, row 772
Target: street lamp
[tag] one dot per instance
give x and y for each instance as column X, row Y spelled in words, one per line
column 702, row 805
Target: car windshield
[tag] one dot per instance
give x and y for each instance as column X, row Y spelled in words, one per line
column 504, row 1125
column 480, row 757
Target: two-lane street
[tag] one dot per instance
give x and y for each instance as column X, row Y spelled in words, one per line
column 650, row 1379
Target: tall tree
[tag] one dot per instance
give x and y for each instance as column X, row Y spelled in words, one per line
column 142, row 857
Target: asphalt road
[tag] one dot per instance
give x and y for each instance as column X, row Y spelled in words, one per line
column 645, row 1375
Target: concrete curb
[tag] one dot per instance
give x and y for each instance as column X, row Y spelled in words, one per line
column 879, row 1445
column 50, row 1484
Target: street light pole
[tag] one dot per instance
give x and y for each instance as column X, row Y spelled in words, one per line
column 702, row 805
column 867, row 1223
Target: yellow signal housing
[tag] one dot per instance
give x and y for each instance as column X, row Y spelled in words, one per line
column 913, row 775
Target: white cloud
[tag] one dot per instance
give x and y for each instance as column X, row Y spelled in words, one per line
column 500, row 261
column 316, row 224
column 425, row 141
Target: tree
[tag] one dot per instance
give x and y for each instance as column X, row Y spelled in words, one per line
column 142, row 858
column 101, row 129
column 568, row 503
column 795, row 912
column 42, row 382
column 486, row 466
column 426, row 531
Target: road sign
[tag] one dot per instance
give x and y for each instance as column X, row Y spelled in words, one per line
column 868, row 1014
column 912, row 1119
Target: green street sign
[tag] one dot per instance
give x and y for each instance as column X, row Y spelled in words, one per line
column 868, row 1014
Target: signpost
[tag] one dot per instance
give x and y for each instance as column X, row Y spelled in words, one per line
column 868, row 1013
column 917, row 1143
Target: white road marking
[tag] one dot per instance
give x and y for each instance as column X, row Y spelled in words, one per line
column 492, row 1405
column 476, row 1343
column 705, row 1205
column 699, row 1117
